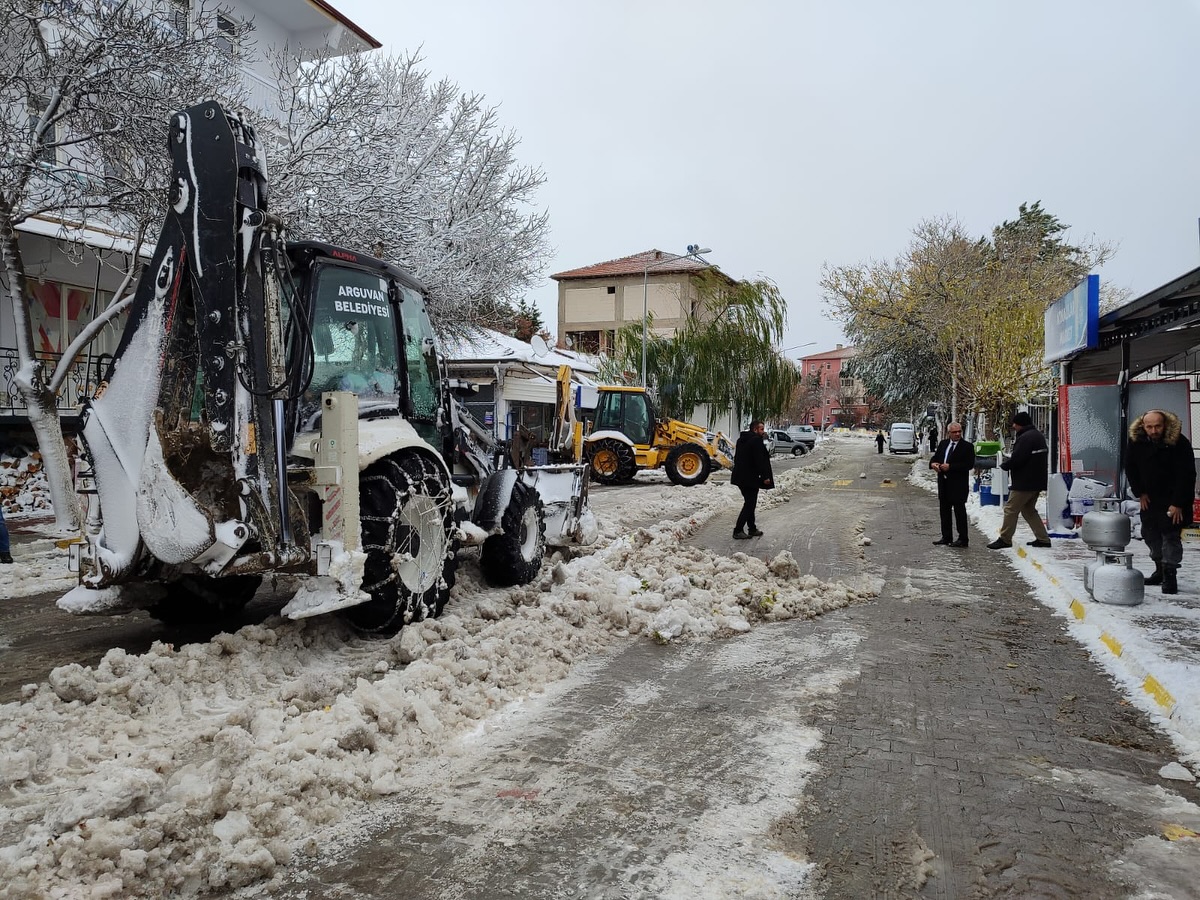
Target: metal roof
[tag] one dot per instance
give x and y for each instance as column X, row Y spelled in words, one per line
column 1158, row 326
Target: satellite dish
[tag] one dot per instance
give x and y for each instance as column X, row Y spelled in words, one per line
column 540, row 347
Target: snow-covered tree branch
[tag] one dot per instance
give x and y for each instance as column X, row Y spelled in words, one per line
column 89, row 88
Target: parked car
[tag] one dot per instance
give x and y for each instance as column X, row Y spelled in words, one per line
column 806, row 434
column 782, row 442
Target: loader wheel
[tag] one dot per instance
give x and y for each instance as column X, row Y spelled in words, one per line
column 406, row 508
column 612, row 461
column 204, row 600
column 688, row 464
column 515, row 555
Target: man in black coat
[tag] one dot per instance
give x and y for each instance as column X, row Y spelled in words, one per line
column 1161, row 469
column 953, row 460
column 1028, row 468
column 751, row 473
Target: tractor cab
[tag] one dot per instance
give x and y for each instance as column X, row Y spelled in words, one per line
column 371, row 335
column 627, row 410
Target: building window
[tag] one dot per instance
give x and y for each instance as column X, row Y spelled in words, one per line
column 179, row 13
column 482, row 405
column 612, row 289
column 227, row 32
column 48, row 155
column 584, row 341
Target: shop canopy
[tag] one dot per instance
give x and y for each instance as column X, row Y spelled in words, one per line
column 1158, row 327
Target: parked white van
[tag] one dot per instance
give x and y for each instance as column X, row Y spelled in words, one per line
column 902, row 438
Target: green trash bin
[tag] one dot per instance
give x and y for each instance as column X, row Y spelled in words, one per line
column 987, row 454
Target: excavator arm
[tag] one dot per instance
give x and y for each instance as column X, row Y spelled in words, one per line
column 186, row 437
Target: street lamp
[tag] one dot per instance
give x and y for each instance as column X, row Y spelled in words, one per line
column 693, row 252
column 797, row 347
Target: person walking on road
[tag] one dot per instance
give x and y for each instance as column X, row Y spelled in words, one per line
column 1028, row 469
column 1161, row 469
column 879, row 441
column 932, row 439
column 751, row 473
column 953, row 460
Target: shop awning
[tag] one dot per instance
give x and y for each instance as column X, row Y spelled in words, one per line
column 1158, row 326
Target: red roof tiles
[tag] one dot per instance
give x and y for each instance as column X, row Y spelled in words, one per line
column 658, row 261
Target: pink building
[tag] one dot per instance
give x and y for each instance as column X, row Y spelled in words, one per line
column 840, row 398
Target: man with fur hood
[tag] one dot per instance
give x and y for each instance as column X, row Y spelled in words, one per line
column 1161, row 469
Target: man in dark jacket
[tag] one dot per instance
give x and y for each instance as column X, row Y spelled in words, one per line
column 1161, row 469
column 953, row 459
column 751, row 473
column 1028, row 468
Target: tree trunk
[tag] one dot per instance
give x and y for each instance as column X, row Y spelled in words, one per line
column 31, row 382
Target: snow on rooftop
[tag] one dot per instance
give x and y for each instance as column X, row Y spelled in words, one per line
column 486, row 345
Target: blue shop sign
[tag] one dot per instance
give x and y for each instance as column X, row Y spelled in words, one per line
column 1073, row 320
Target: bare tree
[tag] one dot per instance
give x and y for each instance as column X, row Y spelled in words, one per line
column 807, row 397
column 373, row 154
column 88, row 87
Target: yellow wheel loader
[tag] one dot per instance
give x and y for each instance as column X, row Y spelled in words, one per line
column 627, row 435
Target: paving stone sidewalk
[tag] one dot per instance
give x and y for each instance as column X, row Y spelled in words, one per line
column 981, row 752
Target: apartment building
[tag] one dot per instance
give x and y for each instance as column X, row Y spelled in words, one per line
column 596, row 300
column 841, row 398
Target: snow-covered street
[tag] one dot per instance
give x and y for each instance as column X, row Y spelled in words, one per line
column 210, row 765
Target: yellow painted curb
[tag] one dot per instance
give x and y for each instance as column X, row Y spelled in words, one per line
column 1021, row 551
column 1111, row 643
column 1077, row 608
column 1175, row 832
column 1161, row 695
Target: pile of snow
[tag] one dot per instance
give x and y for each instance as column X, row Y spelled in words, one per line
column 211, row 766
column 23, row 488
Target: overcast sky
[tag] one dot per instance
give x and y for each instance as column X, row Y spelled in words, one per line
column 787, row 135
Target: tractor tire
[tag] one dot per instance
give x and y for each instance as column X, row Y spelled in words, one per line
column 205, row 600
column 407, row 522
column 612, row 461
column 515, row 555
column 688, row 464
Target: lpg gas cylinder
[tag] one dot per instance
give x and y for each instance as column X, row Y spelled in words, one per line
column 1089, row 571
column 1117, row 582
column 1106, row 527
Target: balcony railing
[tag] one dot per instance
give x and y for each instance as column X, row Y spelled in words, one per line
column 80, row 382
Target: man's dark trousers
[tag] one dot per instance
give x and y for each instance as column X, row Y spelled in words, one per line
column 959, row 507
column 746, row 516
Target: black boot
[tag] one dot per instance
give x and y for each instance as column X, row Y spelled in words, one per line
column 1170, row 585
column 1157, row 577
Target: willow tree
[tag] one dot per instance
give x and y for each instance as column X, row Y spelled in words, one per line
column 725, row 354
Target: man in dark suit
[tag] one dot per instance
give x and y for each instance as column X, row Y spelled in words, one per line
column 751, row 473
column 953, row 460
